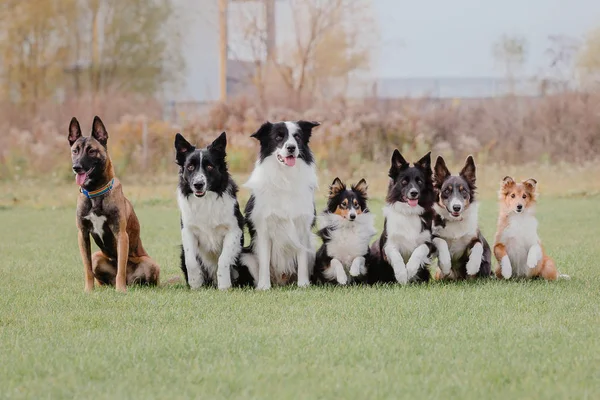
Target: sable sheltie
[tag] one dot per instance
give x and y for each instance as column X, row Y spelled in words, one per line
column 280, row 213
column 405, row 247
column 518, row 248
column 211, row 221
column 346, row 228
column 462, row 250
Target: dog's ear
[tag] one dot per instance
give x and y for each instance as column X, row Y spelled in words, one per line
column 531, row 184
column 74, row 131
column 398, row 162
column 306, row 127
column 508, row 181
column 182, row 149
column 99, row 131
column 219, row 144
column 336, row 187
column 361, row 187
column 263, row 131
column 425, row 162
column 469, row 171
column 440, row 172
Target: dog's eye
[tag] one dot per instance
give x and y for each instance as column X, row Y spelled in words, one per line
column 209, row 167
column 190, row 167
column 92, row 152
column 512, row 195
column 419, row 181
column 465, row 194
column 279, row 136
column 355, row 204
column 524, row 196
column 75, row 151
column 404, row 182
column 343, row 206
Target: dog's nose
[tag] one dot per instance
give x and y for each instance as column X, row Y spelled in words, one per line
column 456, row 207
column 352, row 217
column 519, row 207
column 291, row 148
column 78, row 169
column 199, row 186
column 413, row 193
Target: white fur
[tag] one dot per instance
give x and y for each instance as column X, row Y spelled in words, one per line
column 474, row 263
column 358, row 267
column 404, row 236
column 534, row 256
column 506, row 267
column 519, row 237
column 340, row 272
column 458, row 232
column 349, row 239
column 443, row 255
column 282, row 216
column 97, row 224
column 211, row 233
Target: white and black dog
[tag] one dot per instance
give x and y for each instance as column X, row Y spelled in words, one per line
column 211, row 221
column 462, row 250
column 405, row 247
column 280, row 213
column 346, row 228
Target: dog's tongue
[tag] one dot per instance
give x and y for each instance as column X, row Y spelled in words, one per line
column 290, row 161
column 413, row 202
column 80, row 178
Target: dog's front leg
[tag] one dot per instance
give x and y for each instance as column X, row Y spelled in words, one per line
column 444, row 258
column 86, row 256
column 340, row 273
column 231, row 251
column 190, row 251
column 122, row 257
column 474, row 262
column 263, row 250
column 534, row 256
column 303, row 278
column 357, row 267
column 417, row 259
column 397, row 263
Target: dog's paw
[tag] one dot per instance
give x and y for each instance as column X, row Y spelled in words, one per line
column 357, row 267
column 473, row 266
column 224, row 285
column 401, row 275
column 506, row 267
column 263, row 285
column 342, row 279
column 532, row 259
column 303, row 283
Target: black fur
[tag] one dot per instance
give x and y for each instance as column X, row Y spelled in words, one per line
column 273, row 135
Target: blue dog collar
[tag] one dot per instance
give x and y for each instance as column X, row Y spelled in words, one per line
column 99, row 192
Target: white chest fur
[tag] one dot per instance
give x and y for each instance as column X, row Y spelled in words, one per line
column 457, row 233
column 519, row 236
column 403, row 225
column 97, row 224
column 349, row 239
column 209, row 219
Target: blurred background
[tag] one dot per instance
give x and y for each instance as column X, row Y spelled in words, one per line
column 514, row 83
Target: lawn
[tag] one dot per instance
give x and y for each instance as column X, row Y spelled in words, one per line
column 492, row 339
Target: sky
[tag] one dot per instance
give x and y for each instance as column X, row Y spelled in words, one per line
column 427, row 38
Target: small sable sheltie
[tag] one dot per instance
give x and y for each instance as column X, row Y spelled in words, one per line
column 211, row 221
column 462, row 250
column 518, row 248
column 405, row 248
column 346, row 228
column 280, row 213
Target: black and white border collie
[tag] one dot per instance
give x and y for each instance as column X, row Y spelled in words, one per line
column 405, row 247
column 462, row 250
column 346, row 228
column 211, row 221
column 281, row 211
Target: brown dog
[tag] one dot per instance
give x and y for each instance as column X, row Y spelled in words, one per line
column 105, row 213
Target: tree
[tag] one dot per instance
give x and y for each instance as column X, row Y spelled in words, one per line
column 510, row 52
column 588, row 61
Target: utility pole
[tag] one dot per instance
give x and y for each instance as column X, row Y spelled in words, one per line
column 223, row 50
column 270, row 22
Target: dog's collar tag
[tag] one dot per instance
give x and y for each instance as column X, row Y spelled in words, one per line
column 99, row 192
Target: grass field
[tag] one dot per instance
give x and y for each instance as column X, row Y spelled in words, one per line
column 491, row 339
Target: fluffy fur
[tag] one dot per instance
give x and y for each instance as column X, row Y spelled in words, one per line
column 518, row 248
column 462, row 250
column 211, row 221
column 405, row 247
column 346, row 228
column 281, row 212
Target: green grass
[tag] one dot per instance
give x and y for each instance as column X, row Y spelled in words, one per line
column 491, row 339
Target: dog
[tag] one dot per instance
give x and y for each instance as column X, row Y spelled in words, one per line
column 281, row 210
column 517, row 247
column 462, row 250
column 211, row 222
column 346, row 228
column 104, row 212
column 405, row 247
